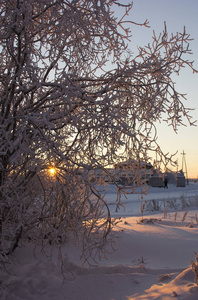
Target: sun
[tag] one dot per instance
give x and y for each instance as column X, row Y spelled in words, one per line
column 52, row 171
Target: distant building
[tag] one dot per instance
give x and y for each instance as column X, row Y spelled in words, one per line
column 156, row 179
column 180, row 180
column 132, row 171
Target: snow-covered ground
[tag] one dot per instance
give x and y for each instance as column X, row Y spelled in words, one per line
column 152, row 260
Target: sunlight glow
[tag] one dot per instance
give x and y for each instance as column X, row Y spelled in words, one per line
column 52, row 171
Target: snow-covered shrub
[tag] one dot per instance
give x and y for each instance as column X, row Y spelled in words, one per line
column 171, row 203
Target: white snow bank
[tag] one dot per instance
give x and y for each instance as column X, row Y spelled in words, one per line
column 152, row 261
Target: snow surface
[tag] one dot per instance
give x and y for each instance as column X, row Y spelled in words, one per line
column 152, row 260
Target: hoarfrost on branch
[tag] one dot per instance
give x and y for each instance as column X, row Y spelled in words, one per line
column 62, row 106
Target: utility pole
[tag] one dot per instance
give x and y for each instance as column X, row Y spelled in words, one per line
column 184, row 165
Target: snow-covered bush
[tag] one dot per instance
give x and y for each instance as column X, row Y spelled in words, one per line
column 62, row 106
column 195, row 267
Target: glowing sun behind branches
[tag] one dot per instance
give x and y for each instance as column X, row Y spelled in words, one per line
column 52, row 171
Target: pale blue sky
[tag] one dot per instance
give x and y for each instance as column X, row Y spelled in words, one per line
column 177, row 14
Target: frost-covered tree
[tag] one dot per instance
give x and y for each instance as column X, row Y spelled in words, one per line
column 73, row 97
